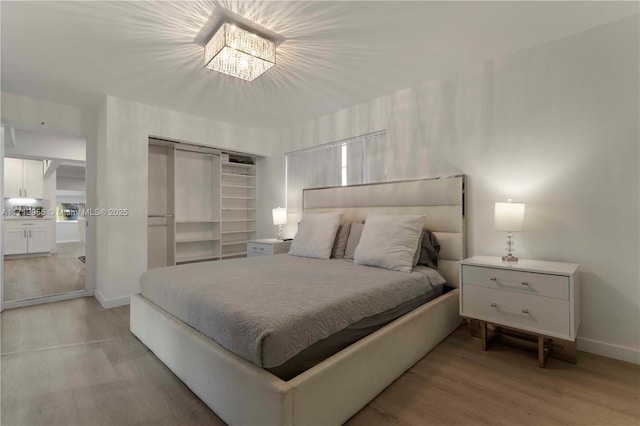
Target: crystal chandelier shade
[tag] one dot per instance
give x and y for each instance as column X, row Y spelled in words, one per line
column 239, row 53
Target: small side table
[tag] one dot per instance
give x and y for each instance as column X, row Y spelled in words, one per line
column 532, row 297
column 267, row 247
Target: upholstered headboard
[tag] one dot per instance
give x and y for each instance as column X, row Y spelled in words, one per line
column 441, row 200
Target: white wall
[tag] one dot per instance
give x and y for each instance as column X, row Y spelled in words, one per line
column 123, row 131
column 555, row 127
column 47, row 145
column 70, row 183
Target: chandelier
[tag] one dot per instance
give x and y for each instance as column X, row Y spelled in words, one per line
column 239, row 53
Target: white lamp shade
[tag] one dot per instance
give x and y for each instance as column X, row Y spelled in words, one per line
column 279, row 216
column 509, row 217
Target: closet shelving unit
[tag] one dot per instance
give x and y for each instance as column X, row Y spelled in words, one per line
column 200, row 208
column 238, row 184
column 197, row 206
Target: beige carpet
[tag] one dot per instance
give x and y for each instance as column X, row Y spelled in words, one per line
column 43, row 276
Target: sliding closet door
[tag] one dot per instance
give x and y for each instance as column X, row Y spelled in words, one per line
column 160, row 222
column 197, row 201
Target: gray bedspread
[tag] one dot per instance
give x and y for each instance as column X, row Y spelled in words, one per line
column 267, row 309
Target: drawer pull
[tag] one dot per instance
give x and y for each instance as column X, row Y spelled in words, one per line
column 524, row 283
column 494, row 279
column 495, row 305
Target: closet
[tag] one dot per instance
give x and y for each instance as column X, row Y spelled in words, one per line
column 238, row 212
column 201, row 206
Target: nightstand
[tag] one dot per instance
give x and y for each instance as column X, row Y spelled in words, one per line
column 536, row 298
column 267, row 247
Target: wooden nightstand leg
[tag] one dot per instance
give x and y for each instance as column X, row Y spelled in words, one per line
column 483, row 333
column 543, row 351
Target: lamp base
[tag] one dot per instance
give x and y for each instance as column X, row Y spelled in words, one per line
column 509, row 258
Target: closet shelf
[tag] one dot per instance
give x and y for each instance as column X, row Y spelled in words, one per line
column 234, row 243
column 233, row 254
column 238, row 186
column 228, row 163
column 238, row 220
column 237, row 175
column 196, row 221
column 237, row 198
column 196, row 239
column 242, row 231
column 192, row 258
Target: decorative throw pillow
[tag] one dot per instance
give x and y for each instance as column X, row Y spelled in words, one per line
column 389, row 241
column 341, row 241
column 429, row 249
column 315, row 236
column 354, row 238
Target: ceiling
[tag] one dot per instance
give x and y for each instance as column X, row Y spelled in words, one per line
column 336, row 54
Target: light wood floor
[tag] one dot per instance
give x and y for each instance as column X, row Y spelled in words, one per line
column 62, row 272
column 74, row 363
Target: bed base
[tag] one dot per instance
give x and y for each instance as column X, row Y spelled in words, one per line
column 327, row 394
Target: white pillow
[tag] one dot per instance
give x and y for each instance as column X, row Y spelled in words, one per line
column 389, row 241
column 316, row 234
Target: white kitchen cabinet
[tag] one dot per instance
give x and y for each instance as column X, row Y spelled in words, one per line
column 26, row 237
column 38, row 240
column 15, row 241
column 12, row 177
column 23, row 178
column 33, row 178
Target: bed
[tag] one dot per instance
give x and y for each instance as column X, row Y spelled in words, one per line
column 236, row 383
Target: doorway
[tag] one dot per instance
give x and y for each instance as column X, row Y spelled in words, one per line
column 44, row 228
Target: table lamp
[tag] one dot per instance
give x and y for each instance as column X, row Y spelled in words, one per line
column 279, row 218
column 509, row 217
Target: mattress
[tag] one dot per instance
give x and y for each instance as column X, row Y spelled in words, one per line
column 269, row 309
column 323, row 349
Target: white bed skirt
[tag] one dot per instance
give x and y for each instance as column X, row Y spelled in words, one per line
column 327, row 394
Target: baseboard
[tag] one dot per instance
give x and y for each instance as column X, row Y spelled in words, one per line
column 111, row 303
column 609, row 350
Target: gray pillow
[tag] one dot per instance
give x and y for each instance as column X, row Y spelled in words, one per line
column 340, row 244
column 429, row 249
column 354, row 239
column 315, row 236
column 389, row 241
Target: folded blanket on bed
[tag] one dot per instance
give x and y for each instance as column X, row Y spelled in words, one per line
column 267, row 309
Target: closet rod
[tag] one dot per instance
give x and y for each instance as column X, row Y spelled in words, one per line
column 160, row 215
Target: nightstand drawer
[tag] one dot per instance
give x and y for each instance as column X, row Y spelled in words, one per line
column 542, row 315
column 259, row 249
column 517, row 281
